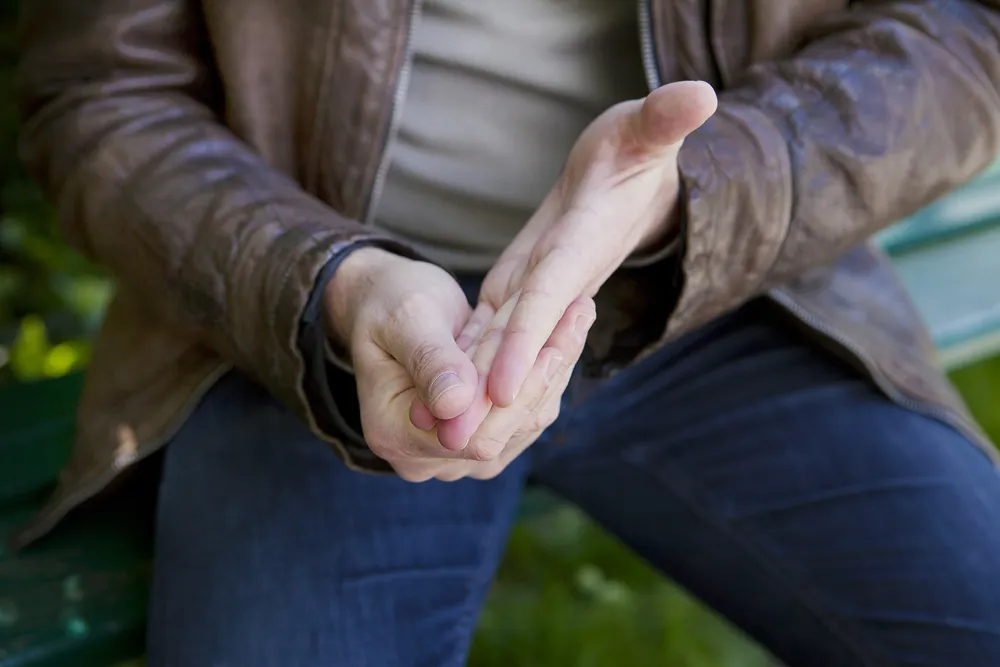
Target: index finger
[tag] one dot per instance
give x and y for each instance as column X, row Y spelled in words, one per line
column 545, row 294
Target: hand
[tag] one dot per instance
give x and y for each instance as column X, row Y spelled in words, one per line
column 494, row 436
column 399, row 319
column 618, row 193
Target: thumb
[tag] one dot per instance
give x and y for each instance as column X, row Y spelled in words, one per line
column 673, row 111
column 444, row 376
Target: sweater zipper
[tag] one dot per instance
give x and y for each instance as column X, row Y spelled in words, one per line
column 395, row 114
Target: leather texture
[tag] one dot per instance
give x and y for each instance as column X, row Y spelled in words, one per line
column 215, row 155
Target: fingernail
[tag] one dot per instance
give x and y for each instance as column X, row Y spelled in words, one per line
column 555, row 361
column 442, row 384
column 582, row 325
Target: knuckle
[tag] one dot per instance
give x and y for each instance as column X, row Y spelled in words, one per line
column 547, row 417
column 398, row 318
column 567, row 253
column 588, row 307
column 570, row 252
column 485, row 448
column 553, row 413
column 538, row 404
column 506, row 265
column 381, row 446
column 452, row 473
column 538, row 291
column 487, row 471
column 414, row 473
column 491, row 336
column 527, row 435
column 379, row 450
column 422, row 359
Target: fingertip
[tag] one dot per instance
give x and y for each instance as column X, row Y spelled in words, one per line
column 514, row 360
column 451, row 436
column 707, row 98
column 470, row 333
column 454, row 434
column 673, row 111
column 501, row 389
column 453, row 402
column 420, row 416
column 551, row 361
column 459, row 393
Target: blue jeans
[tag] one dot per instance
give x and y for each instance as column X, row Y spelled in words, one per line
column 755, row 469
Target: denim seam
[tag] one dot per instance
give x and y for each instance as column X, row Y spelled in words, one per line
column 807, row 594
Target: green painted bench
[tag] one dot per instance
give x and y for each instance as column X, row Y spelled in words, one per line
column 79, row 597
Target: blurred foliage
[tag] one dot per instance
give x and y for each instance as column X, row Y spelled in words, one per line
column 570, row 595
column 567, row 595
column 980, row 386
column 51, row 299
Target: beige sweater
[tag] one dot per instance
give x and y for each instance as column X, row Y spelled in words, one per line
column 499, row 91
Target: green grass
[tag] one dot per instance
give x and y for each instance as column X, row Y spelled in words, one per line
column 569, row 595
column 980, row 385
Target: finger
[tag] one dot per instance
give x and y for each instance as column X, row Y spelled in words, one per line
column 548, row 290
column 455, row 470
column 489, row 441
column 673, row 111
column 454, row 433
column 570, row 335
column 420, row 415
column 422, row 470
column 423, row 341
column 473, row 329
column 504, row 278
column 545, row 383
column 385, row 393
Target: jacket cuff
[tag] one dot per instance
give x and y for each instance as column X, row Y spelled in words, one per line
column 328, row 382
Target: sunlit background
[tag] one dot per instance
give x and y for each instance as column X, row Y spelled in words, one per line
column 567, row 594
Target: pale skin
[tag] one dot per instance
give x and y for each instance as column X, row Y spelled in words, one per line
column 448, row 393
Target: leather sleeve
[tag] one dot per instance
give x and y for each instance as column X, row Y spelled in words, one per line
column 885, row 107
column 119, row 128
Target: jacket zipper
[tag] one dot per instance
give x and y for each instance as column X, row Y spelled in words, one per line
column 941, row 414
column 713, row 61
column 654, row 80
column 86, row 491
column 395, row 115
column 649, row 62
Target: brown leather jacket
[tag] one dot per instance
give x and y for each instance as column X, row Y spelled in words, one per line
column 217, row 154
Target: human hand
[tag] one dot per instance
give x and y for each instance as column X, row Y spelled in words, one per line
column 493, row 436
column 617, row 194
column 399, row 319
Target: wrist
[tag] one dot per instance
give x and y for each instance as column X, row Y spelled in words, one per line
column 347, row 289
column 663, row 232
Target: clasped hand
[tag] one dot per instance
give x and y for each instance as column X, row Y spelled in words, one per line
column 447, row 392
